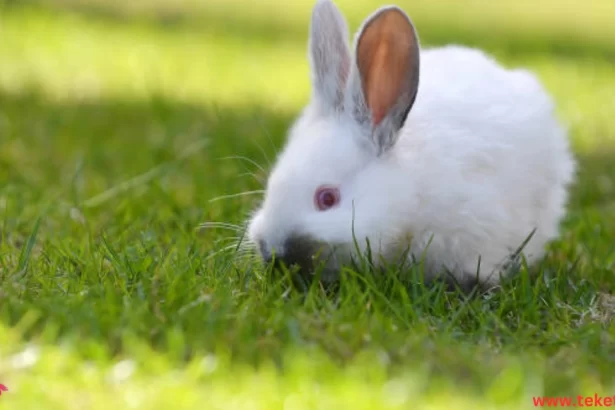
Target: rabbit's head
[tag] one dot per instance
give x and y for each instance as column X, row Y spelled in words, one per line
column 334, row 188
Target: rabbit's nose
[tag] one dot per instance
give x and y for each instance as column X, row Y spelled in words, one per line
column 268, row 254
column 297, row 251
column 294, row 251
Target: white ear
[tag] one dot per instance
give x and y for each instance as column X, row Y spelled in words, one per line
column 385, row 75
column 329, row 55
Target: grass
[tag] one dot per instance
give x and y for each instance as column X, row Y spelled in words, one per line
column 117, row 122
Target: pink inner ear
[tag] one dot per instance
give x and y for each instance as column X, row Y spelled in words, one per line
column 384, row 58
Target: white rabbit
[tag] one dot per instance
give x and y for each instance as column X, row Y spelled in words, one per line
column 442, row 153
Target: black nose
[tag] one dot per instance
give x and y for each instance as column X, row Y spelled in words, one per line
column 295, row 251
column 269, row 255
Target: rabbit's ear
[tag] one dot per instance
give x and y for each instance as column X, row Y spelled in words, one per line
column 329, row 55
column 385, row 76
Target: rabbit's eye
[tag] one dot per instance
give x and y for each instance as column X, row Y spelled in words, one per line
column 326, row 197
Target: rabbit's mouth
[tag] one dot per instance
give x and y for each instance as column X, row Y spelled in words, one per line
column 305, row 257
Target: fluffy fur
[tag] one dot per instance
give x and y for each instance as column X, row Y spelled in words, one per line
column 479, row 162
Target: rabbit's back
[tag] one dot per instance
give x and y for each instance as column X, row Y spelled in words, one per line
column 490, row 157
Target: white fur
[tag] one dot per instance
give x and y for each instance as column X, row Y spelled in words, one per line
column 480, row 162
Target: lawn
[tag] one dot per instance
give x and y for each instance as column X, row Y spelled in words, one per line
column 126, row 126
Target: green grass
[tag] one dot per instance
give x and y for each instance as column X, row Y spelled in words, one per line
column 116, row 123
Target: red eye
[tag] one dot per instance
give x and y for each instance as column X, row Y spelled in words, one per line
column 326, row 197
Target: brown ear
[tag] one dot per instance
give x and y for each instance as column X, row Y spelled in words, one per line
column 387, row 58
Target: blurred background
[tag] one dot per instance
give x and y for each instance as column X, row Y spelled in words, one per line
column 115, row 116
column 103, row 81
column 239, row 52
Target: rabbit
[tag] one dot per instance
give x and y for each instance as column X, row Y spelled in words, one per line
column 440, row 155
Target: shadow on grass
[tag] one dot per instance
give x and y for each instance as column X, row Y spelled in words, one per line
column 105, row 141
column 134, row 269
column 229, row 23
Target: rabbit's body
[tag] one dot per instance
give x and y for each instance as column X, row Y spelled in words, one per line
column 492, row 164
column 459, row 167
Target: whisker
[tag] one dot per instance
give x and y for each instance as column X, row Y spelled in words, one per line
column 256, row 164
column 253, row 175
column 242, row 252
column 221, row 225
column 239, row 194
column 232, row 246
column 260, row 147
column 245, row 248
column 232, row 239
column 238, row 247
column 221, row 250
column 268, row 134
